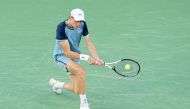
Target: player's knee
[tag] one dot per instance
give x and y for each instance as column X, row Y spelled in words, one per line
column 81, row 74
column 76, row 91
column 76, row 88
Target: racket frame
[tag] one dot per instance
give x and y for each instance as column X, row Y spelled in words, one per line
column 115, row 62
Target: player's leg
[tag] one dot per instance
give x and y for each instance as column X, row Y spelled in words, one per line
column 78, row 82
column 77, row 77
column 61, row 61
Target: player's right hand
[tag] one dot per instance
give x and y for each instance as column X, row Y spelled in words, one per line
column 91, row 61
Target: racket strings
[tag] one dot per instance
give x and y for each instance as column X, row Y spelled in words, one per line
column 133, row 69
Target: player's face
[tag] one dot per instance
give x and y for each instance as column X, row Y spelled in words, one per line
column 75, row 24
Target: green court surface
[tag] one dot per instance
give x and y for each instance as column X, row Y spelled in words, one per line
column 156, row 33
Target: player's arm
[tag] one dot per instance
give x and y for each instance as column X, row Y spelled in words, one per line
column 67, row 52
column 91, row 47
column 66, row 49
column 92, row 50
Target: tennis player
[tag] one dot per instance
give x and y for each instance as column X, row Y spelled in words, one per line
column 67, row 54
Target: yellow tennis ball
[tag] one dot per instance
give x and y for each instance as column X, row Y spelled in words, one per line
column 127, row 67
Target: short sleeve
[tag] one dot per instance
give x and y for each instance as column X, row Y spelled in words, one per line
column 60, row 32
column 85, row 30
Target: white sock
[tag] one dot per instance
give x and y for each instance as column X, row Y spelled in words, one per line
column 59, row 84
column 83, row 100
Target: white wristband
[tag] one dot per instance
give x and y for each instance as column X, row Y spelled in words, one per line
column 84, row 57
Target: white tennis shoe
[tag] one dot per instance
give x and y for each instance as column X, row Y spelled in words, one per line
column 55, row 86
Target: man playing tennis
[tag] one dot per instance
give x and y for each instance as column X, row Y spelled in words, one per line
column 67, row 54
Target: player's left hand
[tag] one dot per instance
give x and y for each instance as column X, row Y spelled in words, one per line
column 99, row 62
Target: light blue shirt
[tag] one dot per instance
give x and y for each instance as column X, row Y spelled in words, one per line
column 72, row 35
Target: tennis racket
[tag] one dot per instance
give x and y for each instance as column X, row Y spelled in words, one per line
column 125, row 67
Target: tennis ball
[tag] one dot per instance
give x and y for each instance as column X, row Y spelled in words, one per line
column 127, row 67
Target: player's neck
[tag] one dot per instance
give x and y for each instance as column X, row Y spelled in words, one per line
column 68, row 23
